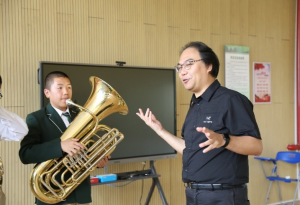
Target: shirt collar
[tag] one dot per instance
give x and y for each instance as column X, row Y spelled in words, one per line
column 61, row 112
column 208, row 93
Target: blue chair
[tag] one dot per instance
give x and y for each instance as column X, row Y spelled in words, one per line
column 288, row 157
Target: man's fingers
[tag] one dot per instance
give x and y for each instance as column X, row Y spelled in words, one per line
column 199, row 129
column 140, row 113
column 211, row 144
column 204, row 144
column 203, row 129
column 148, row 117
column 207, row 149
column 147, row 113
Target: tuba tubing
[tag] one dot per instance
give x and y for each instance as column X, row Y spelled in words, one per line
column 103, row 101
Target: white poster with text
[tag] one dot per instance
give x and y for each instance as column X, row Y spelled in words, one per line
column 237, row 69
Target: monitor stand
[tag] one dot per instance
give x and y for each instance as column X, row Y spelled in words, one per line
column 155, row 182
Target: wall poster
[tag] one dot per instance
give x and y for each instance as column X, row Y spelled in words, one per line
column 237, row 69
column 261, row 82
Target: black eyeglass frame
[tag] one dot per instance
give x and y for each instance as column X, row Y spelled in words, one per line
column 186, row 66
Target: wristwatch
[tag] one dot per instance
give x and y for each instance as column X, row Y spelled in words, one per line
column 227, row 139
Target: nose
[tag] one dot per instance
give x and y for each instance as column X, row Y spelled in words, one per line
column 183, row 71
column 65, row 91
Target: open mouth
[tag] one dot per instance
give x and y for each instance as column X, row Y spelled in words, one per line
column 185, row 80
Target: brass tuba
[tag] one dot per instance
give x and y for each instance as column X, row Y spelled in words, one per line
column 103, row 101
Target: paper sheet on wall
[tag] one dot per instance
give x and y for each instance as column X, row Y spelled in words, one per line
column 237, row 69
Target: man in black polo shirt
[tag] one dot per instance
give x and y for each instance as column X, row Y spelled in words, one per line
column 219, row 133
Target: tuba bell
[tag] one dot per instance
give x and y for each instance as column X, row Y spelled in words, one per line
column 103, row 101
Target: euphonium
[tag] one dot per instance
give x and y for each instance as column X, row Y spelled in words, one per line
column 103, row 101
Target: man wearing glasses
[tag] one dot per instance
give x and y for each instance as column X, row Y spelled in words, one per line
column 218, row 134
column 12, row 128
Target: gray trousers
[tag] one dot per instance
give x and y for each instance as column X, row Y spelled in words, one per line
column 234, row 196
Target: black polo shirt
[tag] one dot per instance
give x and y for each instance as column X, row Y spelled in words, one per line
column 223, row 111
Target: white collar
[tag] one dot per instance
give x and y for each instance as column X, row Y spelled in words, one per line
column 61, row 112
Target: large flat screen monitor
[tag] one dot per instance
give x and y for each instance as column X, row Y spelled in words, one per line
column 140, row 87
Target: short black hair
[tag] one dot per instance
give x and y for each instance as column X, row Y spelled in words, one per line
column 55, row 74
column 0, row 80
column 207, row 55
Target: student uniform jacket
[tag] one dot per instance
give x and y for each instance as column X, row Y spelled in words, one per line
column 42, row 143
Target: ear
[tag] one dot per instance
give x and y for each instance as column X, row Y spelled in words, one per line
column 47, row 93
column 209, row 68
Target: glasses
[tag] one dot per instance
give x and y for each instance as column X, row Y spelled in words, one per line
column 186, row 65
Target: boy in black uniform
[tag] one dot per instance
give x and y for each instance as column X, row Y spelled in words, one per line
column 45, row 129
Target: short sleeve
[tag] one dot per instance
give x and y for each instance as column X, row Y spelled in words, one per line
column 240, row 118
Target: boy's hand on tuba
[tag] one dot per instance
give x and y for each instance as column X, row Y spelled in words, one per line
column 103, row 162
column 71, row 146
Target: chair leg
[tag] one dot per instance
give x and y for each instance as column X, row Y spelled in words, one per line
column 267, row 198
column 279, row 192
column 295, row 192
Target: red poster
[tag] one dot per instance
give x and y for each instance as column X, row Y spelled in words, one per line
column 262, row 82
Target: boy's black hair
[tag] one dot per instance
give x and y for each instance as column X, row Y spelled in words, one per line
column 55, row 74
